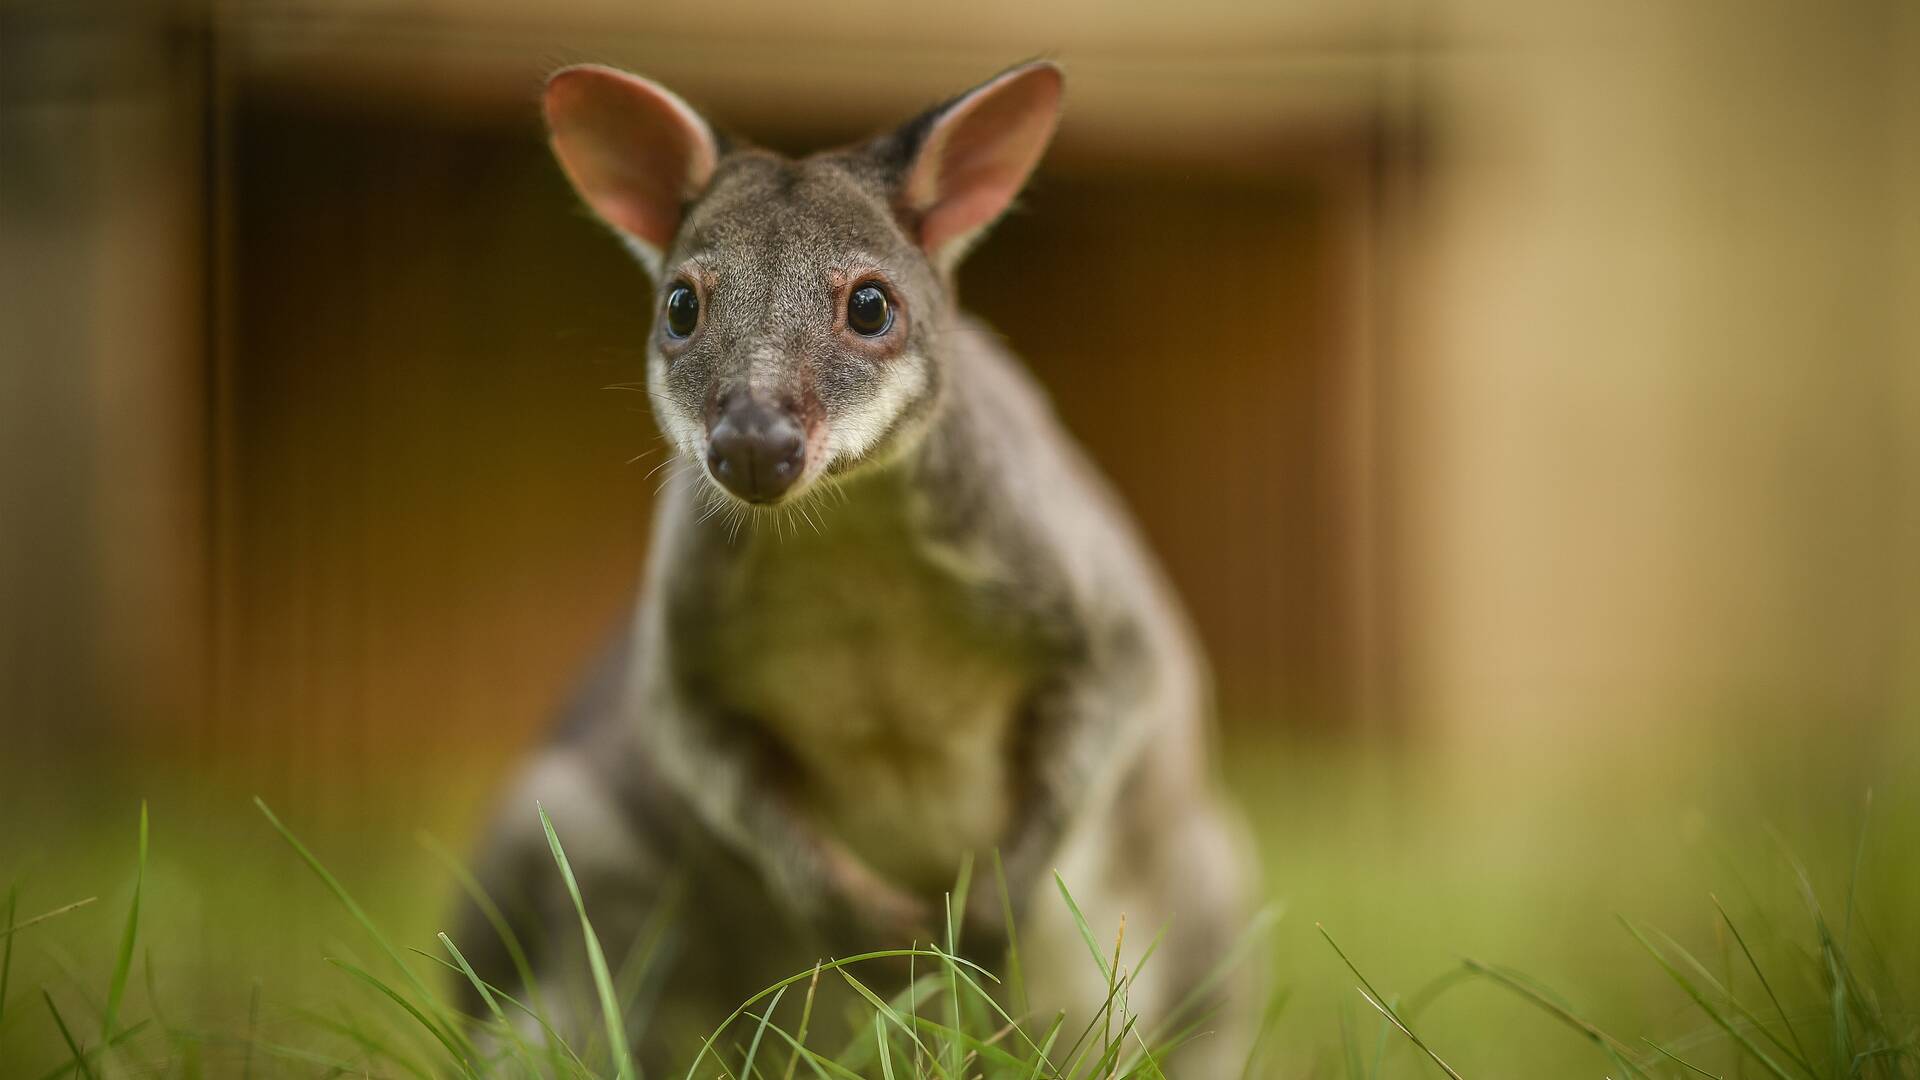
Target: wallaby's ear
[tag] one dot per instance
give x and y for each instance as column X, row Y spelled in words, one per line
column 634, row 151
column 972, row 156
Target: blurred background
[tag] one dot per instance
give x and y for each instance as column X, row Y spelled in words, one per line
column 1525, row 398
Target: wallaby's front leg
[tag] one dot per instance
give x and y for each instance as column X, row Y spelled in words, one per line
column 1082, row 731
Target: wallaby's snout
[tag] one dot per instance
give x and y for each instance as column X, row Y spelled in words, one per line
column 756, row 449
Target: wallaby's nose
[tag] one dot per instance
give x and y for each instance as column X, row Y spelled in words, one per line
column 756, row 450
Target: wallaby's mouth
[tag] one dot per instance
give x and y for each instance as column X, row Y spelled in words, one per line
column 757, row 450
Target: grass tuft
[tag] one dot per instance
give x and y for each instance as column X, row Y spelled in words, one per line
column 1829, row 1005
column 596, row 959
column 1374, row 999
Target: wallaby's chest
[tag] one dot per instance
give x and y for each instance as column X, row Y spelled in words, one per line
column 892, row 672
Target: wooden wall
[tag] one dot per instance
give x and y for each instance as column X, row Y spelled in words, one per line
column 432, row 518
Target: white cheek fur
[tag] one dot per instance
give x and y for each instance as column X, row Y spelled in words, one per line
column 860, row 429
column 685, row 432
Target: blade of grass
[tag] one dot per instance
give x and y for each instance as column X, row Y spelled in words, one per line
column 988, row 999
column 1853, row 875
column 821, row 1066
column 553, row 1037
column 281, row 1052
column 1236, row 954
column 1145, row 1054
column 64, row 1068
column 1530, row 990
column 974, row 1045
column 1734, row 1003
column 1837, row 993
column 1148, row 1066
column 1016, row 978
column 1193, row 1029
column 1380, row 1045
column 1084, row 1045
column 446, row 1033
column 886, row 1051
column 1108, row 1061
column 956, row 900
column 806, row 1016
column 707, row 1046
column 1144, row 1062
column 1683, row 1062
column 1115, row 983
column 882, row 1010
column 827, row 965
column 1765, row 985
column 1706, row 1006
column 348, row 1029
column 596, row 960
column 912, row 991
column 6, row 951
column 79, row 1059
column 490, row 911
column 45, row 915
column 453, row 1048
column 859, row 1050
column 1846, row 994
column 422, row 1042
column 753, row 1048
column 641, row 976
column 1040, row 1059
column 1086, row 932
column 519, row 1045
column 1373, row 998
column 1269, row 1021
column 1850, row 996
column 1408, row 1032
column 123, row 963
column 1350, row 1043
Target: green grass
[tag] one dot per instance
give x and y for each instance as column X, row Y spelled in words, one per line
column 1586, row 923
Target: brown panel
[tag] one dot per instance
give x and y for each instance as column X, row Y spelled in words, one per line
column 1193, row 334
column 433, row 521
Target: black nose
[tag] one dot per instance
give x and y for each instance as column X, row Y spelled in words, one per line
column 756, row 450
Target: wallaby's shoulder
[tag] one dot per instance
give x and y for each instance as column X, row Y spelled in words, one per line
column 1013, row 437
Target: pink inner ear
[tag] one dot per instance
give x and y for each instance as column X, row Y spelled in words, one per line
column 979, row 155
column 634, row 151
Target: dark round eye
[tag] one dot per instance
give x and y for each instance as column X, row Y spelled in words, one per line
column 868, row 312
column 683, row 311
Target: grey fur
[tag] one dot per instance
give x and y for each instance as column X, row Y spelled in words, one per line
column 951, row 640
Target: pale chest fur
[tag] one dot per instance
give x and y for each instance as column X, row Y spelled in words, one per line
column 884, row 666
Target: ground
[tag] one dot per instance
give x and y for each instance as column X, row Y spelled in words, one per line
column 1414, row 860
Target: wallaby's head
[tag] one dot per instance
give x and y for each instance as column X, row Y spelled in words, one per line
column 801, row 305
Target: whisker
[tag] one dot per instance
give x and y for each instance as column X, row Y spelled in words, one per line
column 663, row 463
column 676, row 468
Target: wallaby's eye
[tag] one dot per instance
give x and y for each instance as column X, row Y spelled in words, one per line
column 868, row 312
column 683, row 311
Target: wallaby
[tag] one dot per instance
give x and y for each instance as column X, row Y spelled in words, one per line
column 892, row 617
